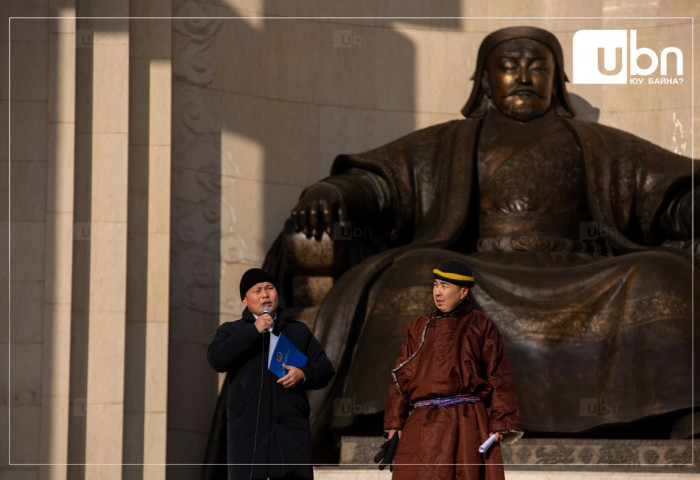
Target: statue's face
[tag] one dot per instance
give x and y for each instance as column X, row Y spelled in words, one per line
column 519, row 78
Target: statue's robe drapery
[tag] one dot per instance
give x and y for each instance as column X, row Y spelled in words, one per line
column 593, row 339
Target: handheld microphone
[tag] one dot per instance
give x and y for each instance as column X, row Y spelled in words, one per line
column 268, row 311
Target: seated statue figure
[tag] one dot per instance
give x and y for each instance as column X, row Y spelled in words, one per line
column 579, row 235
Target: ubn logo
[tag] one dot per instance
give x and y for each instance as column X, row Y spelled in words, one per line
column 601, row 57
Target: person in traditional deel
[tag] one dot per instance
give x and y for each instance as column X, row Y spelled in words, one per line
column 267, row 417
column 451, row 388
column 580, row 234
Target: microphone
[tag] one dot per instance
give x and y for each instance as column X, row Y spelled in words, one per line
column 268, row 311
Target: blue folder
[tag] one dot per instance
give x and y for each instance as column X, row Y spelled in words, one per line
column 285, row 353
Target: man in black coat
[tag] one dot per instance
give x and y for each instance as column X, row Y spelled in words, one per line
column 268, row 418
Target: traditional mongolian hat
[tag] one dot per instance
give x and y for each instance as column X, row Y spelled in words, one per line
column 453, row 271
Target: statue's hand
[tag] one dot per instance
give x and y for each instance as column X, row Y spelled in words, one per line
column 318, row 209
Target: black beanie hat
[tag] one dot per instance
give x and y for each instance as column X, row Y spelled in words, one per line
column 453, row 271
column 252, row 277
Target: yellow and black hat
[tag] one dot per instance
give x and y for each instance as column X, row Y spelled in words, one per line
column 456, row 272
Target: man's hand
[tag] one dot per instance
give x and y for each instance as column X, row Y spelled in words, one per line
column 317, row 211
column 387, row 452
column 293, row 377
column 498, row 436
column 263, row 322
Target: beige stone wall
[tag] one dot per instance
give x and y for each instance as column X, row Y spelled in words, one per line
column 153, row 161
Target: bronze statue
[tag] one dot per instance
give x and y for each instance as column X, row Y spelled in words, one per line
column 579, row 234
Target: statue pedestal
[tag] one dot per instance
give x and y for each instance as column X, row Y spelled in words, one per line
column 565, row 459
column 366, row 473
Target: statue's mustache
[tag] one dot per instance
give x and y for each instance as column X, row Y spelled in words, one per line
column 519, row 90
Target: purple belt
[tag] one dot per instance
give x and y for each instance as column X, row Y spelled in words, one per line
column 447, row 401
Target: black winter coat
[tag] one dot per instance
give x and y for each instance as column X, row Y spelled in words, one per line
column 267, row 425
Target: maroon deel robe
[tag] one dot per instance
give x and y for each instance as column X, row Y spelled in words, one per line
column 442, row 357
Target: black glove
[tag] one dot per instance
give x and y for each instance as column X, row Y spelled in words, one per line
column 387, row 452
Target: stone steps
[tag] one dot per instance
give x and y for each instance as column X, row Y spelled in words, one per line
column 550, row 459
column 648, row 455
column 349, row 473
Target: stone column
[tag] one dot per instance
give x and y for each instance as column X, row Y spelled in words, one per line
column 148, row 258
column 100, row 256
column 59, row 237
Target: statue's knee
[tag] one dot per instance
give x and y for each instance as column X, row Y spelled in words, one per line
column 658, row 265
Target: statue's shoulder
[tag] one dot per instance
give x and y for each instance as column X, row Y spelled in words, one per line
column 593, row 131
column 595, row 138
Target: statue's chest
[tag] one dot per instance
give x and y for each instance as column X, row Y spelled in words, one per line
column 545, row 175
